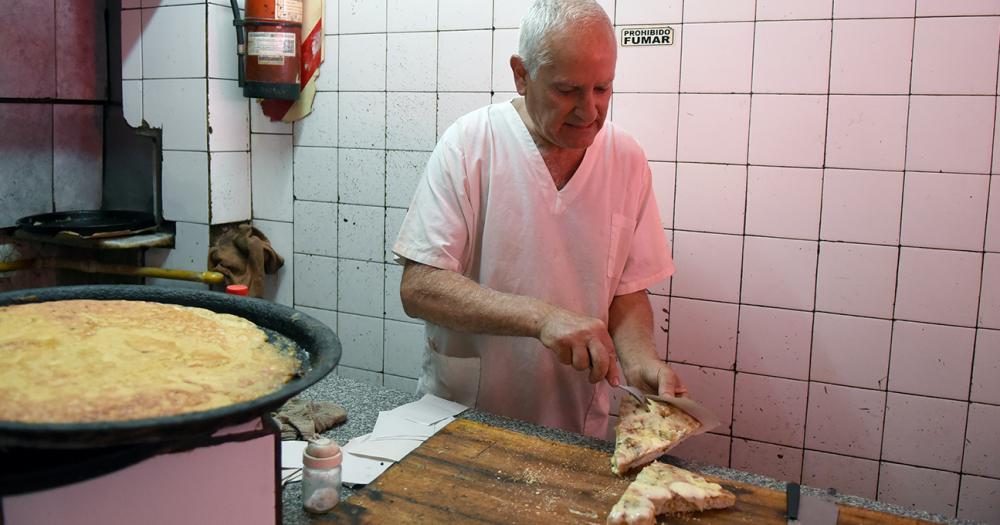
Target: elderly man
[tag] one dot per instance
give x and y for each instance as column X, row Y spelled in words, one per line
column 533, row 236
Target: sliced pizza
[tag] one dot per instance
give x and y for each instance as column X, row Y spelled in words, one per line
column 660, row 489
column 646, row 432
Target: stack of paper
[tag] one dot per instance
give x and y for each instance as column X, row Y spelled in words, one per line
column 397, row 432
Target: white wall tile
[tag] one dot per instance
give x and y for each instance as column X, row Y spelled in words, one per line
column 862, row 206
column 939, row 422
column 329, row 69
column 867, row 132
column 278, row 287
column 361, row 233
column 793, row 9
column 229, row 187
column 714, row 388
column 316, row 281
column 316, row 228
column 179, row 108
column 950, row 134
column 851, row 350
column 986, row 368
column 362, row 16
column 411, row 62
column 403, row 170
column 931, row 359
column 505, row 45
column 964, row 64
column 770, row 409
column 708, row 266
column 358, row 374
column 261, row 123
column 981, row 441
column 989, row 302
column 361, row 340
column 402, row 384
column 791, row 57
column 228, row 117
column 320, row 128
column 711, row 197
column 938, row 286
column 465, row 60
column 847, row 475
column 222, row 62
column 978, row 499
column 404, row 348
column 465, row 14
column 77, row 157
column 132, row 102
column 454, row 105
column 271, row 169
column 190, row 252
column 774, row 342
column 703, row 333
column 718, row 58
column 412, row 15
column 664, row 180
column 359, row 284
column 508, row 14
column 131, row 44
column 856, row 279
column 361, row 177
column 184, row 181
column 362, row 120
column 788, row 130
column 365, row 66
column 713, row 128
column 775, row 461
column 868, row 9
column 648, row 69
column 393, row 304
column 944, row 210
column 919, row 488
column 410, row 121
column 719, row 11
column 647, row 11
column 871, row 56
column 649, row 117
column 784, row 202
column 315, row 173
column 173, row 42
column 393, row 222
column 779, row 272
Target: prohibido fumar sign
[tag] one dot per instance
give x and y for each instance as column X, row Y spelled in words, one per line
column 647, row 36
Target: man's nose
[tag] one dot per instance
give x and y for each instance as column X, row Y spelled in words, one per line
column 586, row 106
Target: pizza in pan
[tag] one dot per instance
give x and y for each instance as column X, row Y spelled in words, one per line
column 646, row 432
column 660, row 488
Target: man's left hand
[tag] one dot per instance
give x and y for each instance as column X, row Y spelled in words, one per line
column 653, row 375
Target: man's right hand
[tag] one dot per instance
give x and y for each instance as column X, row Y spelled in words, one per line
column 582, row 342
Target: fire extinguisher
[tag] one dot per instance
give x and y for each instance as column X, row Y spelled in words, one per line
column 268, row 48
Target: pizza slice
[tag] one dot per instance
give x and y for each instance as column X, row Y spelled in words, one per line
column 645, row 433
column 660, row 488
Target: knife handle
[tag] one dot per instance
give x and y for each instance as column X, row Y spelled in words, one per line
column 792, row 500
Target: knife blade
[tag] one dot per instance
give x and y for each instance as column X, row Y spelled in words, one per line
column 792, row 503
column 809, row 509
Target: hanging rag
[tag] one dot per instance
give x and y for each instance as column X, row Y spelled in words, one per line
column 304, row 420
column 243, row 254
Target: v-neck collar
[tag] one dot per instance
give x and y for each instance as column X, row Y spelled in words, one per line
column 558, row 199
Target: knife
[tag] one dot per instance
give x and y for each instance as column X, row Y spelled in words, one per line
column 792, row 502
column 808, row 509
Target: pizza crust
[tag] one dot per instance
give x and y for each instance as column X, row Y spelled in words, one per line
column 645, row 433
column 660, row 488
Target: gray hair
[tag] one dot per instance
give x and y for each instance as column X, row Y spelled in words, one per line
column 547, row 17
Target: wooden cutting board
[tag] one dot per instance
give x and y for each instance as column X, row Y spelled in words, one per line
column 475, row 473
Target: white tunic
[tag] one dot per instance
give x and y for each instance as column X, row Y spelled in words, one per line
column 488, row 209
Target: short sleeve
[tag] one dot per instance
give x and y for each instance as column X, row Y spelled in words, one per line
column 649, row 260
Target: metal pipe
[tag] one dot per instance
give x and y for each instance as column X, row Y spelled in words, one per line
column 117, row 269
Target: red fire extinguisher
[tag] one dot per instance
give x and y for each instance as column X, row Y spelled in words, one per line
column 269, row 61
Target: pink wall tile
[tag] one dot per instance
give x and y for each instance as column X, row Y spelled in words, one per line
column 986, row 368
column 931, row 359
column 919, row 488
column 774, row 342
column 993, row 215
column 661, row 322
column 711, row 197
column 957, row 7
column 867, row 132
column 703, row 333
column 938, row 286
column 939, row 423
column 951, row 134
column 642, row 11
column 634, row 74
column 871, row 56
column 792, row 57
column 664, row 180
column 713, row 128
column 847, row 475
column 713, row 388
column 989, row 303
column 996, row 141
column 81, row 50
column 779, row 272
column 649, row 117
column 77, row 156
column 718, row 58
column 29, row 38
column 856, row 279
column 770, row 409
column 719, row 11
column 965, row 63
column 787, row 130
column 869, row 9
column 982, row 441
column 845, row 420
column 851, row 350
column 793, row 9
column 944, row 210
column 708, row 265
column 862, row 206
column 784, row 202
column 710, row 449
column 775, row 461
column 979, row 499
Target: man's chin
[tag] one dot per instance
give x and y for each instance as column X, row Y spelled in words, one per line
column 578, row 138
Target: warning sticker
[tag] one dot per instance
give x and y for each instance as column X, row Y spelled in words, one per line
column 290, row 10
column 647, row 36
column 271, row 44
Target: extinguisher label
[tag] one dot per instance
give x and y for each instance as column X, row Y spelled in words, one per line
column 290, row 10
column 271, row 47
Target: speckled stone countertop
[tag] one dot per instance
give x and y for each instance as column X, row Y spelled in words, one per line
column 363, row 403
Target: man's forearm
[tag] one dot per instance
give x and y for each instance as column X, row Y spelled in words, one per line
column 630, row 322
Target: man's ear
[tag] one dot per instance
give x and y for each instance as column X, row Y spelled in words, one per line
column 520, row 74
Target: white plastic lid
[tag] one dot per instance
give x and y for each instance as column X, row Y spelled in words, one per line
column 322, row 452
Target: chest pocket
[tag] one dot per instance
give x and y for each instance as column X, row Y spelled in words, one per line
column 622, row 228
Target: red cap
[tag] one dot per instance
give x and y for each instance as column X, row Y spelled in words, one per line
column 238, row 289
column 322, row 452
